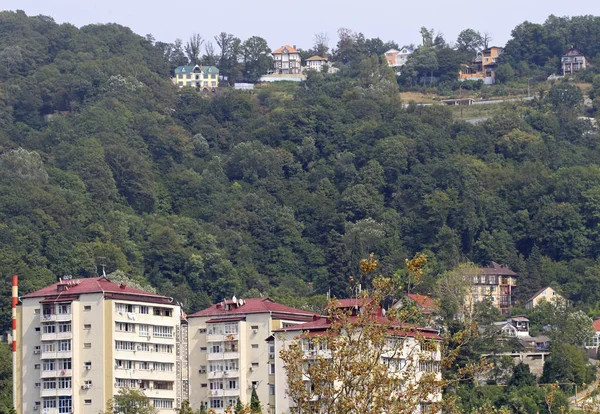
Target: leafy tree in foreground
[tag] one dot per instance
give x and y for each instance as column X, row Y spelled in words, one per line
column 372, row 360
column 130, row 402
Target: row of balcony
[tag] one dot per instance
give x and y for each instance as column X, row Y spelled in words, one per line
column 223, row 374
column 217, row 356
column 57, row 355
column 56, row 392
column 234, row 392
column 57, row 373
column 56, row 335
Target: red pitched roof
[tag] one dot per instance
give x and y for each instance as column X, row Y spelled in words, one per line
column 255, row 305
column 318, row 58
column 597, row 325
column 427, row 303
column 71, row 289
column 280, row 50
column 497, row 269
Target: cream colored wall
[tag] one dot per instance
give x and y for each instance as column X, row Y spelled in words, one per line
column 29, row 340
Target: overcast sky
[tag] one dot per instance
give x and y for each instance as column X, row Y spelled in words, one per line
column 296, row 22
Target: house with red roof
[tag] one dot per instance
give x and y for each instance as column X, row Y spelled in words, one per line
column 413, row 350
column 81, row 341
column 426, row 304
column 229, row 354
column 287, row 60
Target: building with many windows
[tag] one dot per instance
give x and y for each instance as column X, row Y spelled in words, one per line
column 229, row 352
column 413, row 352
column 81, row 341
column 573, row 61
column 200, row 77
column 494, row 283
column 287, row 60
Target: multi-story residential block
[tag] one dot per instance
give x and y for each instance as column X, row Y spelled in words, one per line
column 81, row 341
column 483, row 67
column 419, row 351
column 397, row 58
column 496, row 284
column 229, row 352
column 201, row 77
column 287, row 60
column 573, row 61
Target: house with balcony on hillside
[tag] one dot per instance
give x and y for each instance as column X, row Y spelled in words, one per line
column 397, row 58
column 494, row 283
column 483, row 67
column 286, row 60
column 573, row 61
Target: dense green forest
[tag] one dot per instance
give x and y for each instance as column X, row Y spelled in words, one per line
column 280, row 192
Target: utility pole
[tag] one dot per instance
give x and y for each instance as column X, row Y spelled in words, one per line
column 528, row 95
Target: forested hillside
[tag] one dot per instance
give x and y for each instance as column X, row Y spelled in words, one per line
column 280, row 192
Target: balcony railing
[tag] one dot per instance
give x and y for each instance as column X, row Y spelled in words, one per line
column 216, row 356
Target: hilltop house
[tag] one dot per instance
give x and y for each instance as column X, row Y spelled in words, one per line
column 483, row 67
column 287, row 60
column 573, row 61
column 397, row 58
column 198, row 76
column 317, row 63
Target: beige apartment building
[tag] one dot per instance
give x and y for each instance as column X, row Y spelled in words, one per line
column 420, row 353
column 81, row 341
column 229, row 352
column 495, row 283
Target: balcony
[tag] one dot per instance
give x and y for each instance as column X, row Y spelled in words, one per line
column 224, row 393
column 222, row 338
column 51, row 317
column 56, row 392
column 217, row 356
column 49, row 355
column 223, row 374
column 56, row 335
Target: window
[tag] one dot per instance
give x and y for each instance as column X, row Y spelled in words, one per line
column 272, row 369
column 64, row 346
column 64, row 383
column 143, row 330
column 88, row 383
column 202, row 330
column 49, row 347
column 230, row 365
column 231, row 328
column 87, row 326
column 48, row 328
column 36, row 311
column 37, row 329
column 216, row 385
column 123, row 308
column 50, row 365
column 254, row 346
column 203, row 348
column 162, row 403
column 255, row 365
column 36, row 366
column 254, row 327
column 216, row 348
column 124, row 346
column 87, row 365
column 162, row 311
column 271, row 389
column 87, row 402
column 87, row 345
column 216, row 403
column 49, row 383
column 163, row 385
column 64, row 327
column 232, row 385
column 87, row 308
column 144, row 310
column 162, row 331
column 144, row 365
column 63, row 309
column 49, row 403
column 203, row 385
column 163, row 366
column 164, row 348
column 64, row 363
column 38, row 385
column 188, row 76
column 125, row 327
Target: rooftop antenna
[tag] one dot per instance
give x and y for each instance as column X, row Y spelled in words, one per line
column 101, row 262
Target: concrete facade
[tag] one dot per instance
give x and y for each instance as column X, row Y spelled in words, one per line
column 81, row 341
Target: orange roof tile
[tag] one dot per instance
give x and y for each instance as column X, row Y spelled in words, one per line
column 280, row 50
